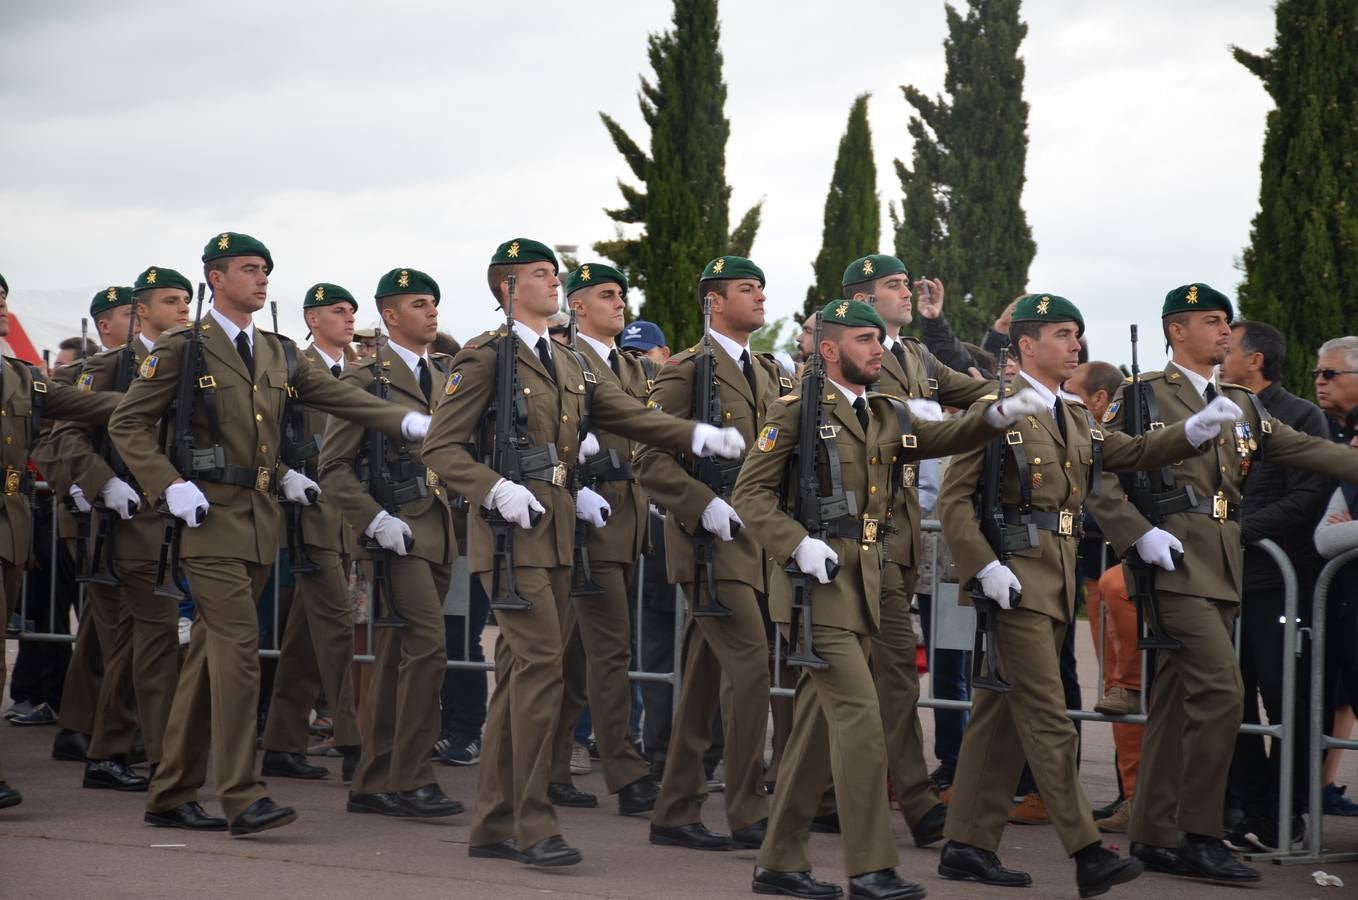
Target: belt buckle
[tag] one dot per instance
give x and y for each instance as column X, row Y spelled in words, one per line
column 263, row 477
column 431, row 478
column 1066, row 523
column 869, row 531
column 1220, row 509
column 559, row 474
column 909, row 441
column 12, row 480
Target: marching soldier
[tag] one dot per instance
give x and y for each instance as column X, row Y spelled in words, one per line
column 1051, row 462
column 1195, row 699
column 230, row 520
column 514, row 819
column 910, row 373
column 317, row 651
column 26, row 397
column 401, row 713
column 837, row 729
column 730, row 649
column 596, row 627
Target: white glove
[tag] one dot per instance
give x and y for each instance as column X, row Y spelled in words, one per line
column 415, row 426
column 813, row 558
column 996, row 580
column 186, row 502
column 513, row 501
column 1154, row 546
column 711, row 441
column 119, row 497
column 1203, row 426
column 389, row 532
column 588, row 447
column 592, row 508
column 78, row 496
column 718, row 517
column 1003, row 413
column 925, row 410
column 295, row 486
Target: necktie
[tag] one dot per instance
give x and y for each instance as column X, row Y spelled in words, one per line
column 1210, row 394
column 426, row 381
column 1059, row 415
column 243, row 348
column 613, row 362
column 545, row 354
column 860, row 408
column 335, row 370
column 899, row 352
column 749, row 373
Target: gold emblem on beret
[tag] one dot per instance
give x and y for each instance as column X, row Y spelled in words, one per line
column 718, row 266
column 150, row 276
column 514, row 250
column 403, row 280
column 841, row 310
column 320, row 293
column 1192, row 294
column 111, row 294
column 584, row 273
column 867, row 267
column 224, row 241
column 1043, row 305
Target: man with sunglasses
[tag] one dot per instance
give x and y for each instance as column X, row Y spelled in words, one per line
column 1336, row 378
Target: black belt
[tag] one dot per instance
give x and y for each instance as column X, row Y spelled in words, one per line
column 864, row 531
column 259, row 479
column 1062, row 522
column 553, row 474
column 1218, row 507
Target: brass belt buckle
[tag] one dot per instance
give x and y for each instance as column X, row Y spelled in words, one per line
column 262, row 479
column 12, row 480
column 869, row 531
column 1219, row 506
column 1066, row 523
column 559, row 474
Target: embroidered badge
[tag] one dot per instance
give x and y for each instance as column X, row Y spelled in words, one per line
column 148, row 367
column 151, row 276
column 1037, row 479
column 454, row 380
column 403, row 280
column 514, row 250
column 1111, row 412
column 584, row 273
column 768, row 438
column 841, row 310
column 224, row 242
column 86, row 382
column 111, row 294
column 718, row 266
column 320, row 293
column 1043, row 305
column 867, row 267
column 1192, row 294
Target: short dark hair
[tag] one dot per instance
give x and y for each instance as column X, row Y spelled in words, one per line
column 1103, row 376
column 1178, row 318
column 216, row 264
column 73, row 343
column 1260, row 337
column 1023, row 330
column 445, row 343
column 718, row 285
column 496, row 274
column 860, row 287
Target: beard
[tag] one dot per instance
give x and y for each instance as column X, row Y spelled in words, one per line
column 855, row 374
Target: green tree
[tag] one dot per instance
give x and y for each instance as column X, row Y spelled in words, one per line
column 683, row 208
column 1301, row 265
column 962, row 216
column 853, row 214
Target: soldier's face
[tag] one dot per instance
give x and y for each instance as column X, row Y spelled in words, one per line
column 742, row 309
column 857, row 354
column 244, row 285
column 537, row 293
column 1339, row 394
column 1205, row 337
column 1054, row 354
column 599, row 310
column 113, row 325
column 805, row 337
column 163, row 308
column 4, row 312
column 413, row 317
column 893, row 300
column 333, row 324
column 365, row 347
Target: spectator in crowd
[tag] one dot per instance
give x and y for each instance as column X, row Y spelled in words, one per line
column 646, row 339
column 365, row 341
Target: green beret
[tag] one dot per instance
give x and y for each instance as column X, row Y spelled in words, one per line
column 870, row 268
column 591, row 274
column 524, row 250
column 110, row 298
column 1048, row 308
column 406, row 281
column 1193, row 297
column 229, row 243
column 327, row 294
column 158, row 277
column 731, row 267
column 853, row 314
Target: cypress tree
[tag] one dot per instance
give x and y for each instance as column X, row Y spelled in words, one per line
column 1301, row 266
column 683, row 207
column 853, row 214
column 962, row 218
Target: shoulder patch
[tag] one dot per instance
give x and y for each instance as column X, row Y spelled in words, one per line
column 454, row 380
column 148, row 366
column 768, row 438
column 1111, row 412
column 86, row 382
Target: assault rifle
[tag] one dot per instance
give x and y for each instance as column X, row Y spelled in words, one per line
column 582, row 577
column 300, row 451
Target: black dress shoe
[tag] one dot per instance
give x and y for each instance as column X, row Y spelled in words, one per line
column 565, row 794
column 929, row 830
column 71, row 746
column 9, row 796
column 638, row 797
column 1159, row 859
column 884, row 884
column 695, row 836
column 826, row 824
column 383, row 804
column 186, row 815
column 262, row 815
column 963, row 862
column 1098, row 869
column 1208, row 858
column 751, row 837
column 351, row 757
column 281, row 764
column 793, row 884
column 113, row 774
column 506, row 849
column 551, row 852
column 428, row 802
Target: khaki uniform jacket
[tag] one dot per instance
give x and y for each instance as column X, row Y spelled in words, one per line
column 1059, row 473
column 16, row 437
column 852, row 600
column 141, row 536
column 1213, row 557
column 903, row 543
column 429, row 518
column 454, row 447
column 323, row 523
column 622, row 538
column 665, row 476
column 243, row 523
column 53, row 464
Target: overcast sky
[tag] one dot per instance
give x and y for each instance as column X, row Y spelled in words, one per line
column 355, row 137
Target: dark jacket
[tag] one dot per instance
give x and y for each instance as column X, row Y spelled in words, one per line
column 1284, row 504
column 940, row 340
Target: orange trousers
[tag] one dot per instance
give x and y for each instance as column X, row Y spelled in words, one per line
column 1121, row 660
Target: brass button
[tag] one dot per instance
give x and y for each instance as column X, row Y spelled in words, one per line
column 8, row 439
column 565, row 418
column 263, row 448
column 864, row 546
column 1037, row 460
column 579, row 387
column 528, row 390
column 1221, row 442
column 1223, row 468
column 1067, row 464
column 438, row 492
column 893, row 457
column 259, row 417
column 1074, row 489
column 873, row 489
column 873, row 461
column 255, row 388
column 728, row 414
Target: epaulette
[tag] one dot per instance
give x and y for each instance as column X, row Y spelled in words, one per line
column 1145, row 376
column 788, row 398
column 909, row 337
column 989, row 398
column 448, row 357
column 1238, row 387
column 175, row 331
column 484, row 339
column 109, row 351
column 683, row 355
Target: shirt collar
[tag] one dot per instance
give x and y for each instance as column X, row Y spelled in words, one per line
column 731, row 347
column 849, row 394
column 1199, row 383
column 599, row 346
column 409, row 357
column 1042, row 391
column 888, row 342
column 149, row 345
column 325, row 356
column 231, row 329
column 531, row 337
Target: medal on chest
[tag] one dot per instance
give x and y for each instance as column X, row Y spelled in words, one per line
column 1245, row 445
